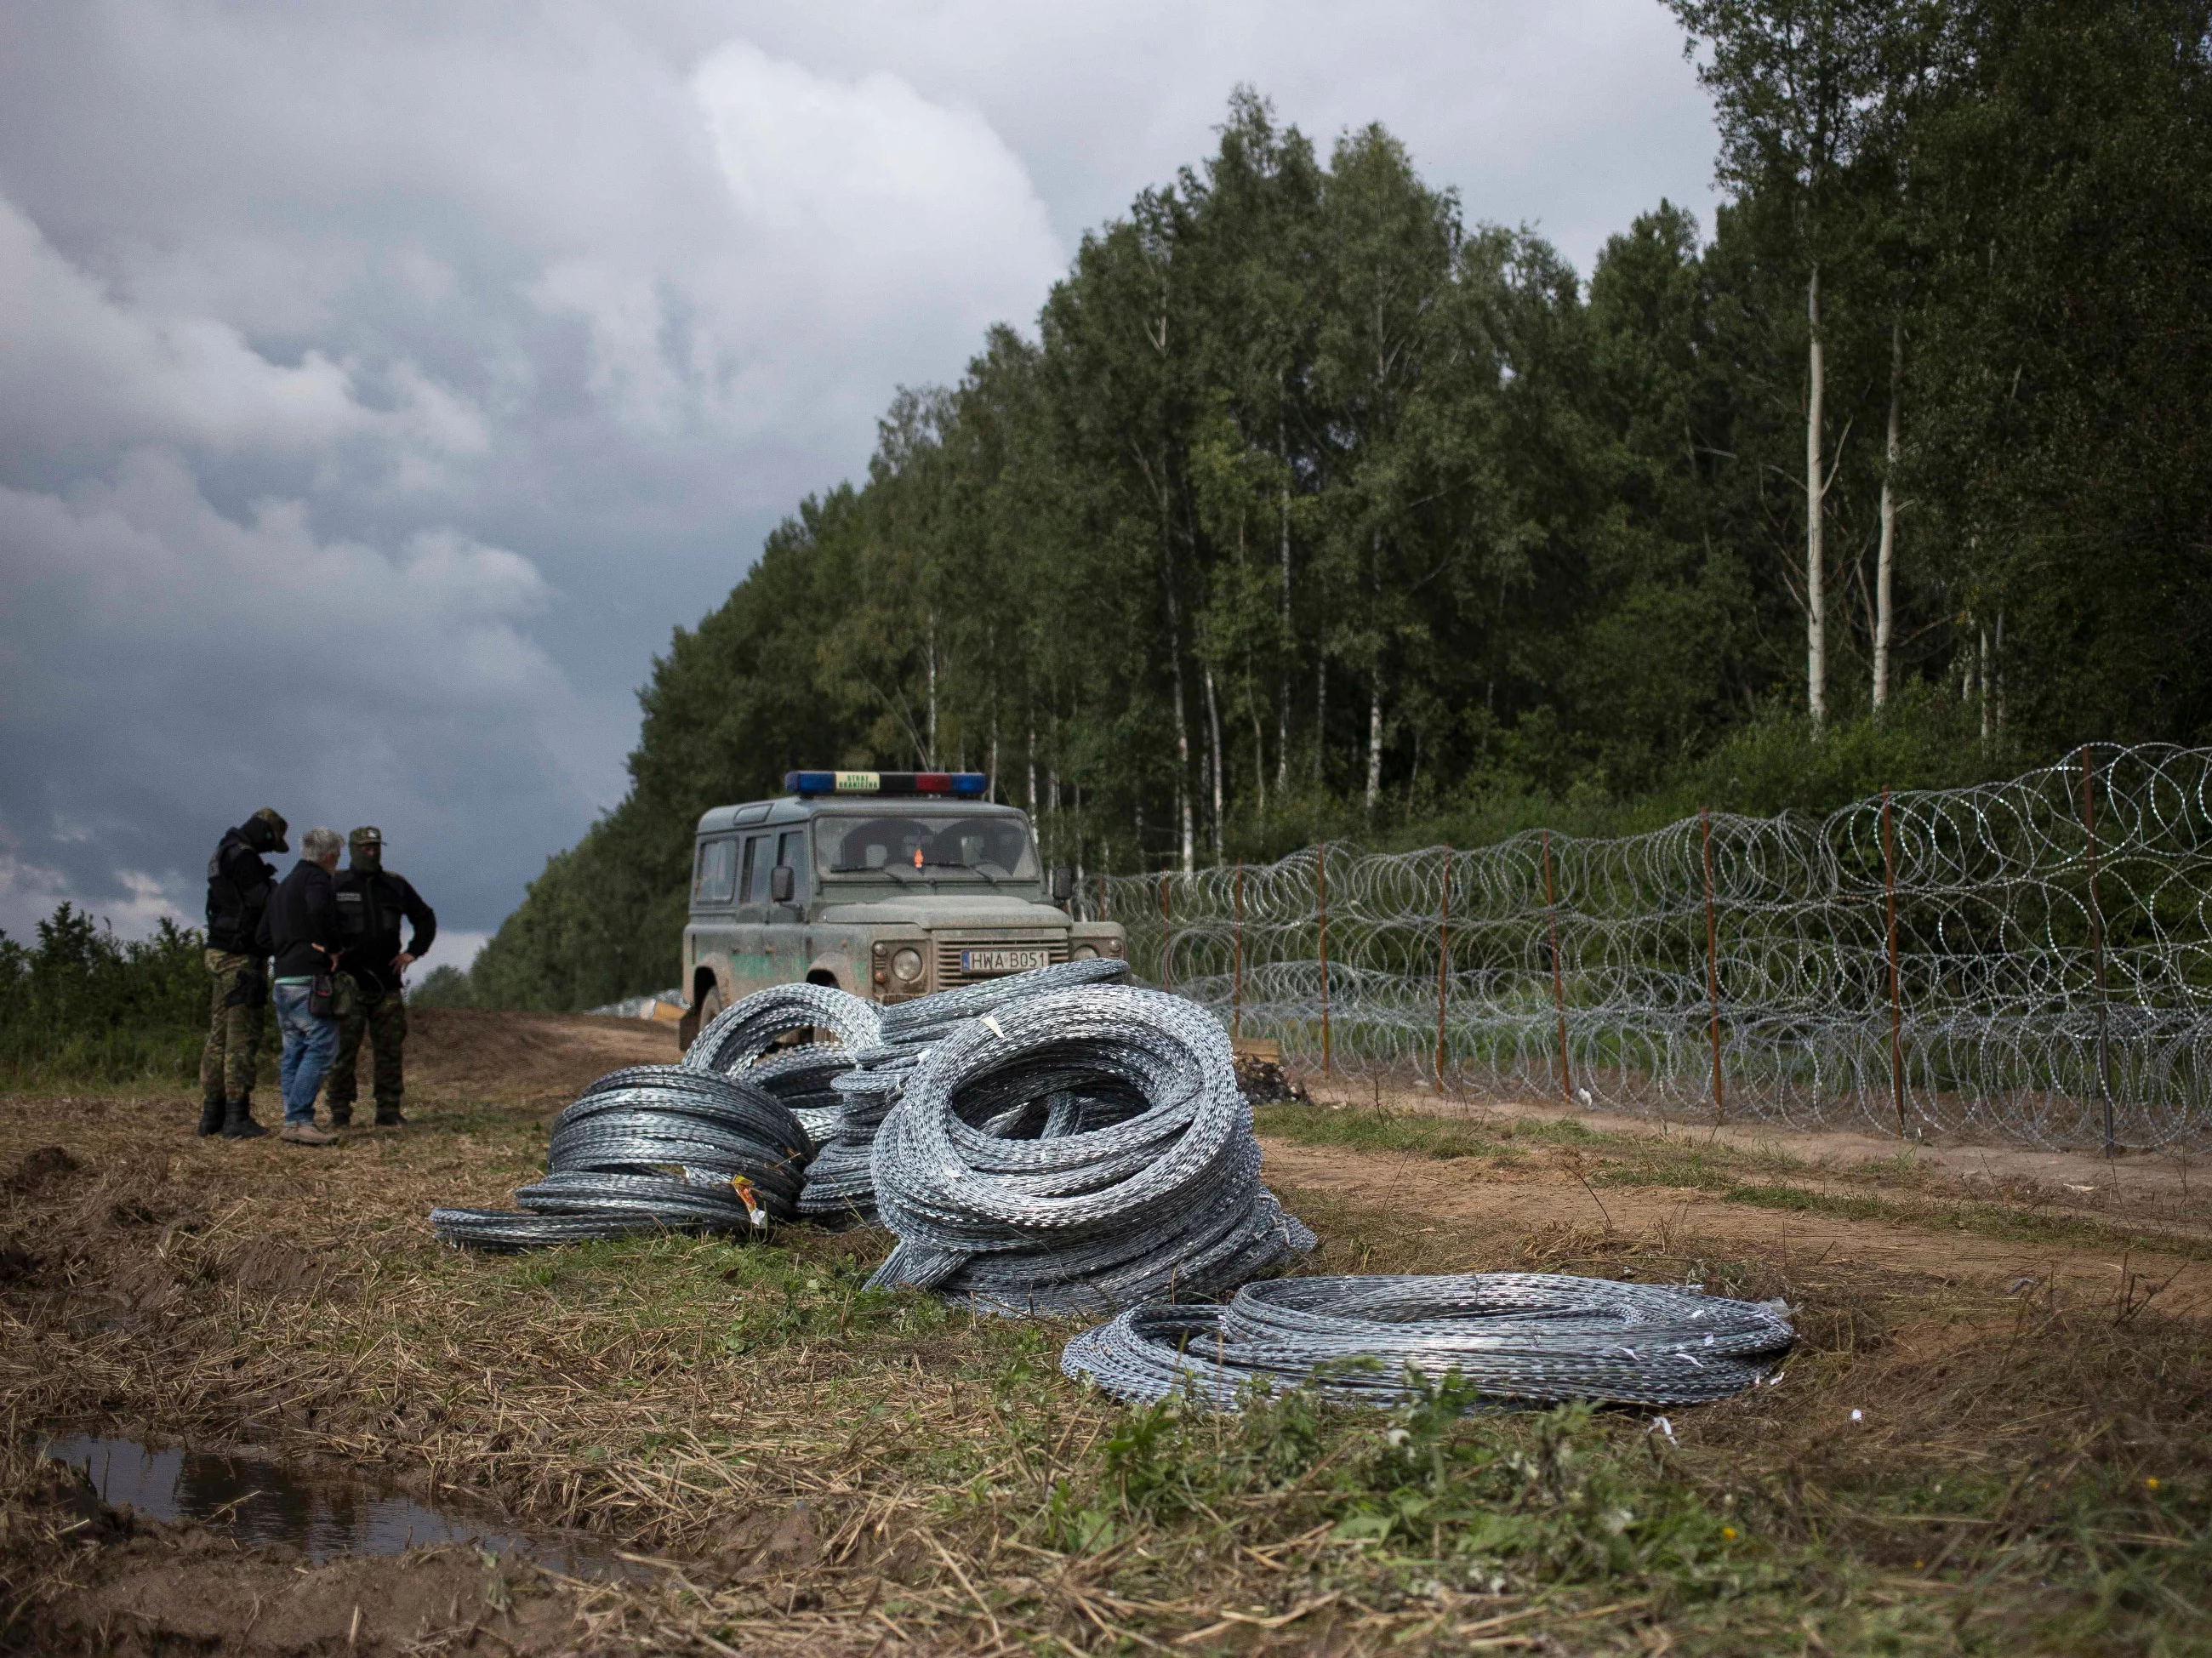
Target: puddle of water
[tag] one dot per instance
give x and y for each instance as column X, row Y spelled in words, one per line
column 259, row 1501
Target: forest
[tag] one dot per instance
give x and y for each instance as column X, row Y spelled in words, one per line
column 1307, row 506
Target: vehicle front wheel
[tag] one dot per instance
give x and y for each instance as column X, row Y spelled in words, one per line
column 700, row 1018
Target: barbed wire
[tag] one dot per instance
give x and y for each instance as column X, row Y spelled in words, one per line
column 2031, row 960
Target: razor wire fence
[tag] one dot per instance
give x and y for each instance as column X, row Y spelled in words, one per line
column 2031, row 960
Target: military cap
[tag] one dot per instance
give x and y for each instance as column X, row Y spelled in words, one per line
column 366, row 835
column 277, row 826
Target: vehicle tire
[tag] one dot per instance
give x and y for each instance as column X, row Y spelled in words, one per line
column 687, row 1029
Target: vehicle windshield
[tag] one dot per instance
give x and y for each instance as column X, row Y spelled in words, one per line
column 911, row 845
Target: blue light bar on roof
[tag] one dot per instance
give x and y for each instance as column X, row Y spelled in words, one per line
column 965, row 784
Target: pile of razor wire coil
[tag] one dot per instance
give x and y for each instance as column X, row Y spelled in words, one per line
column 652, row 1148
column 804, row 1078
column 1073, row 1151
column 749, row 1028
column 841, row 1182
column 1518, row 1338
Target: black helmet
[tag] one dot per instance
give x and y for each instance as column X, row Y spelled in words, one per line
column 264, row 831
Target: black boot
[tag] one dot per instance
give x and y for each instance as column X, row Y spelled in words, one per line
column 238, row 1122
column 211, row 1114
column 387, row 1116
column 341, row 1113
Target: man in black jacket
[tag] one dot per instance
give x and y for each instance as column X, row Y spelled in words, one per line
column 300, row 929
column 371, row 902
column 240, row 882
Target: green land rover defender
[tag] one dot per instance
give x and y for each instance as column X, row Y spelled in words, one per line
column 889, row 884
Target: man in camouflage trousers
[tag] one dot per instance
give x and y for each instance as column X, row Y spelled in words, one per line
column 240, row 882
column 372, row 900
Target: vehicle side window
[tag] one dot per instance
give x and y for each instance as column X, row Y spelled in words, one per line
column 792, row 850
column 758, row 862
column 716, row 873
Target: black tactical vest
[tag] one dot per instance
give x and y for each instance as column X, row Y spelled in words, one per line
column 233, row 911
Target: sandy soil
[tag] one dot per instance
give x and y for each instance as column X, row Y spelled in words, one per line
column 2136, row 1184
column 1467, row 1190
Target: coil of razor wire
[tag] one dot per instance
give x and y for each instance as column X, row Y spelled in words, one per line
column 1522, row 1338
column 802, row 1078
column 841, row 1185
column 840, row 1181
column 745, row 1031
column 2029, row 960
column 1076, row 1151
column 924, row 1018
column 652, row 1147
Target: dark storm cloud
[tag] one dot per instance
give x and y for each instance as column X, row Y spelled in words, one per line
column 378, row 385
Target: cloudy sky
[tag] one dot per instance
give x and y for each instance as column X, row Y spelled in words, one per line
column 380, row 384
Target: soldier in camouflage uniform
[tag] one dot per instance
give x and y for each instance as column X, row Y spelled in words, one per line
column 371, row 902
column 240, row 883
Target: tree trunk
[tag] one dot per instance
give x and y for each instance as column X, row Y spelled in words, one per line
column 1213, row 723
column 1283, row 711
column 1885, row 616
column 929, row 760
column 1259, row 759
column 1375, row 690
column 1374, row 743
column 1182, row 773
column 1982, row 673
column 1321, row 710
column 1816, row 599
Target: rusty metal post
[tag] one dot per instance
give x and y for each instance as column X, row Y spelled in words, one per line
column 1896, row 985
column 1167, row 936
column 1236, row 995
column 2097, row 948
column 1713, row 970
column 1443, row 969
column 1320, row 886
column 1559, row 984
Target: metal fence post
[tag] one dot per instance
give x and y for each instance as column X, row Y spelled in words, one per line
column 1443, row 969
column 1896, row 985
column 1712, row 969
column 1320, row 886
column 1236, row 996
column 1559, row 983
column 2097, row 950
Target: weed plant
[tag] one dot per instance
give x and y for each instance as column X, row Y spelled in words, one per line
column 81, row 1004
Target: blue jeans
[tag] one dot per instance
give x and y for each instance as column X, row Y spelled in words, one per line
column 309, row 1044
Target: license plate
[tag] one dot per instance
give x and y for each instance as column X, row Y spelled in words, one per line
column 978, row 962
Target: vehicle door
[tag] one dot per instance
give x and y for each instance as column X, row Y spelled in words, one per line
column 789, row 948
column 714, row 897
column 751, row 966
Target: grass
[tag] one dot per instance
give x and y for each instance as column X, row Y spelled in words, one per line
column 686, row 1396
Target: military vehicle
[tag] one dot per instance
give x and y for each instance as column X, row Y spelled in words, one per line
column 889, row 884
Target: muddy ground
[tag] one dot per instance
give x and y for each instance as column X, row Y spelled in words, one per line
column 785, row 1465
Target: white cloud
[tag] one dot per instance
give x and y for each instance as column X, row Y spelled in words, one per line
column 178, row 668
column 83, row 372
column 378, row 385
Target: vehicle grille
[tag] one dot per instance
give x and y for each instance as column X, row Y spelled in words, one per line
column 949, row 949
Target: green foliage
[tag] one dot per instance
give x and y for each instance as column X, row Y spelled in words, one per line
column 81, row 1004
column 1316, row 511
column 1486, row 1500
column 443, row 987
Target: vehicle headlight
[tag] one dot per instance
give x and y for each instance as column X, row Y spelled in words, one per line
column 906, row 965
column 1083, row 953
